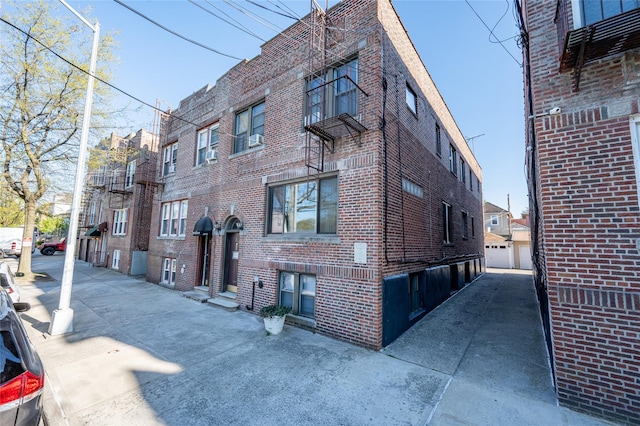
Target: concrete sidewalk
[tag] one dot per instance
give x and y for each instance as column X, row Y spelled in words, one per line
column 144, row 355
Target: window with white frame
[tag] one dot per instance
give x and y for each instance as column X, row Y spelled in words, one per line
column 168, row 271
column 115, row 261
column 207, row 144
column 494, row 219
column 412, row 100
column 170, row 157
column 447, row 222
column 173, row 221
column 120, row 221
column 309, row 206
column 92, row 213
column 298, row 291
column 249, row 128
column 129, row 176
column 453, row 160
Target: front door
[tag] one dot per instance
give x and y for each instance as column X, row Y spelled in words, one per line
column 232, row 254
column 205, row 242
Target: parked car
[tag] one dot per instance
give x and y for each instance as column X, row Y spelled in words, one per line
column 49, row 249
column 21, row 370
column 8, row 282
column 11, row 242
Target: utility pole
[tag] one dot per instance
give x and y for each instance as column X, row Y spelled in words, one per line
column 62, row 318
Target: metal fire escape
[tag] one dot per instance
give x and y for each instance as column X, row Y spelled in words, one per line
column 326, row 120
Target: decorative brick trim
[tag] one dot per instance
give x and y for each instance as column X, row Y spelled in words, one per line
column 612, row 299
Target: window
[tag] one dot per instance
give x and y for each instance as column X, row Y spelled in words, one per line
column 470, row 180
column 412, row 100
column 597, row 10
column 92, row 213
column 207, row 142
column 438, row 141
column 131, row 171
column 446, row 218
column 463, row 171
column 169, row 159
column 115, row 262
column 345, row 96
column 304, row 207
column 453, row 160
column 174, row 218
column 417, row 303
column 339, row 89
column 494, row 219
column 298, row 291
column 473, row 227
column 120, row 222
column 465, row 226
column 168, row 271
column 249, row 128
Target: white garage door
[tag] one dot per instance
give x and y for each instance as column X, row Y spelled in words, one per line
column 525, row 257
column 498, row 255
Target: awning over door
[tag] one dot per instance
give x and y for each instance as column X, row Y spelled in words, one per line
column 96, row 230
column 204, row 226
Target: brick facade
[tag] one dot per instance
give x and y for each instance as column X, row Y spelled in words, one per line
column 383, row 230
column 583, row 170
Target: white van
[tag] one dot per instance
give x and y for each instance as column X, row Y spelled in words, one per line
column 11, row 242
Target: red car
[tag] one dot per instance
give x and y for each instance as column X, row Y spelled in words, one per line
column 49, row 248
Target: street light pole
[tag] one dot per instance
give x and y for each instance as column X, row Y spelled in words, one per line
column 62, row 318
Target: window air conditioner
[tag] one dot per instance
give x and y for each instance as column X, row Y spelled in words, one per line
column 172, row 169
column 211, row 156
column 256, row 140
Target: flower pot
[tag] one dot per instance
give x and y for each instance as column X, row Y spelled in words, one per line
column 274, row 325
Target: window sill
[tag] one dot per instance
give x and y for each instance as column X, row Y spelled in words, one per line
column 171, row 237
column 292, row 238
column 246, row 151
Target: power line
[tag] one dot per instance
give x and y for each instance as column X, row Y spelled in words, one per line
column 491, row 32
column 272, row 11
column 175, row 33
column 243, row 29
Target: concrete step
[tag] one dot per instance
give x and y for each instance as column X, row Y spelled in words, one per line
column 223, row 303
column 196, row 295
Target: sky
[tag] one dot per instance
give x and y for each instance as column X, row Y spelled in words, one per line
column 479, row 78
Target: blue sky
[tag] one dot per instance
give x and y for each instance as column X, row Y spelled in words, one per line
column 479, row 79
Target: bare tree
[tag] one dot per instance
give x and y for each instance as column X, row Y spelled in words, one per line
column 42, row 100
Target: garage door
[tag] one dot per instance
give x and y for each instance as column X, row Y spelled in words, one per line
column 525, row 257
column 497, row 256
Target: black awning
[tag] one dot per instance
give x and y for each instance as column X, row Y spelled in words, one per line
column 204, row 226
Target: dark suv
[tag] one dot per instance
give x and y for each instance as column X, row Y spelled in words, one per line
column 21, row 371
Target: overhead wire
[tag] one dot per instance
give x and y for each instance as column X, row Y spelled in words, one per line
column 490, row 31
column 293, row 12
column 175, row 33
column 237, row 24
column 271, row 10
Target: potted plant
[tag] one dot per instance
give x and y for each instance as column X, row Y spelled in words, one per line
column 274, row 316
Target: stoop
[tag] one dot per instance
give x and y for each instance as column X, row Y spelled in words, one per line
column 225, row 300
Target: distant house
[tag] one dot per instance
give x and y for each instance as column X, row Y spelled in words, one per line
column 117, row 203
column 507, row 240
column 61, row 205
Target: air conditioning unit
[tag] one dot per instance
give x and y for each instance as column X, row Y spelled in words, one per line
column 211, row 156
column 172, row 169
column 256, row 140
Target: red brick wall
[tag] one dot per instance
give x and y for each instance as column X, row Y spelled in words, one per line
column 590, row 224
column 348, row 295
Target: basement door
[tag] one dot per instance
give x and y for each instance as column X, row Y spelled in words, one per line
column 231, row 256
column 205, row 250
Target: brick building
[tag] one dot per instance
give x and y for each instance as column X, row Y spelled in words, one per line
column 582, row 88
column 116, row 211
column 327, row 174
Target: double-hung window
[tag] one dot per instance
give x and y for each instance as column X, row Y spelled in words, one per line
column 92, row 213
column 447, row 221
column 438, row 141
column 345, row 95
column 309, row 206
column 120, row 222
column 463, row 171
column 168, row 270
column 170, row 158
column 131, row 171
column 333, row 93
column 174, row 219
column 465, row 226
column 453, row 160
column 115, row 262
column 249, row 128
column 298, row 291
column 207, row 144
